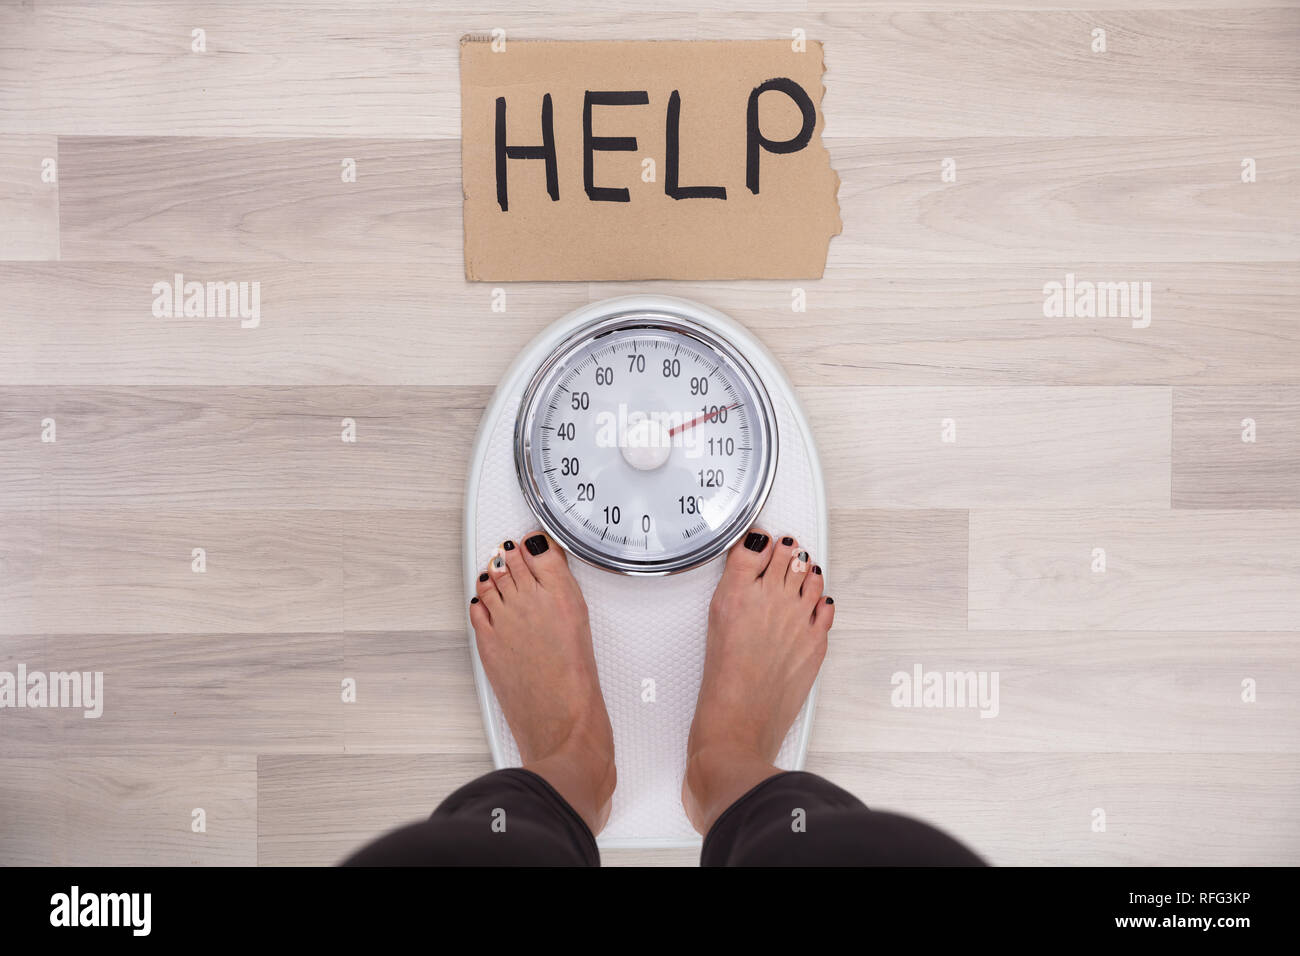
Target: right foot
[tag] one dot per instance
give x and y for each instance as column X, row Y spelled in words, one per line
column 768, row 625
column 530, row 623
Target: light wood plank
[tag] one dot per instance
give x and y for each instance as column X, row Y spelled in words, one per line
column 1194, row 571
column 1214, row 467
column 1044, row 5
column 240, row 449
column 28, row 732
column 898, row 569
column 121, row 810
column 22, row 557
column 415, row 693
column 1103, row 197
column 230, row 198
column 1031, row 72
column 252, row 694
column 125, row 572
column 1011, row 448
column 191, row 694
column 127, row 69
column 402, row 571
column 118, row 572
column 29, row 206
column 1080, row 691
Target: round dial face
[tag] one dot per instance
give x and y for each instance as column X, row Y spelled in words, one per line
column 645, row 444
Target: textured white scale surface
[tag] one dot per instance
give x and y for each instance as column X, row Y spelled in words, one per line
column 648, row 628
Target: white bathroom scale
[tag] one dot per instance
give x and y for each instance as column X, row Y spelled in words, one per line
column 646, row 434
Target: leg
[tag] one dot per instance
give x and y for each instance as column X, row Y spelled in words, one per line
column 506, row 818
column 530, row 624
column 801, row 819
column 768, row 623
column 768, row 626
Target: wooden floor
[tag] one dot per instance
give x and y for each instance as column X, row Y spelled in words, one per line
column 1120, row 691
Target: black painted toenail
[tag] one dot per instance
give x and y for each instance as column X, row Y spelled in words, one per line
column 830, row 600
column 803, row 556
column 483, row 576
column 537, row 544
column 817, row 569
column 787, row 541
column 508, row 546
column 756, row 541
column 473, row 600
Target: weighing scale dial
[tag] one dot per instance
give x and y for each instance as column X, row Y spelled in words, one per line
column 646, row 443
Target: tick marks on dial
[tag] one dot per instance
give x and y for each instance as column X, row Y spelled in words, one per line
column 695, row 529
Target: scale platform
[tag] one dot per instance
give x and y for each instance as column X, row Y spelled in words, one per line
column 643, row 628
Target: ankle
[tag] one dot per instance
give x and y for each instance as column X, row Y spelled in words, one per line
column 717, row 775
column 582, row 771
column 592, row 748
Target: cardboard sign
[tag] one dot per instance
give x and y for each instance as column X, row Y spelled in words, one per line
column 644, row 160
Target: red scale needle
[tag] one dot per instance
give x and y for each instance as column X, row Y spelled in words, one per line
column 702, row 418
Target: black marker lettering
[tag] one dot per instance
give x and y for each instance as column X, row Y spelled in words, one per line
column 546, row 151
column 673, row 148
column 613, row 143
column 755, row 139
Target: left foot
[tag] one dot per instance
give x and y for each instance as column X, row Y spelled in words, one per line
column 768, row 626
column 530, row 622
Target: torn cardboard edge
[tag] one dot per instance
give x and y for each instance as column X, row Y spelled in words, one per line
column 656, row 159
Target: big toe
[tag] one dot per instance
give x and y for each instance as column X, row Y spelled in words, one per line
column 545, row 559
column 749, row 556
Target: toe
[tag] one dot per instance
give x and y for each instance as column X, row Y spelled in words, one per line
column 486, row 589
column 782, row 554
column 811, row 590
column 519, row 572
column 797, row 570
column 545, row 559
column 824, row 615
column 749, row 556
column 480, row 618
column 499, row 573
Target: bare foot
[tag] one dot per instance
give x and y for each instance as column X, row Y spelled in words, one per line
column 768, row 624
column 530, row 621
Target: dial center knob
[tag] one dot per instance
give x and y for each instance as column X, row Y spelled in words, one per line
column 646, row 444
